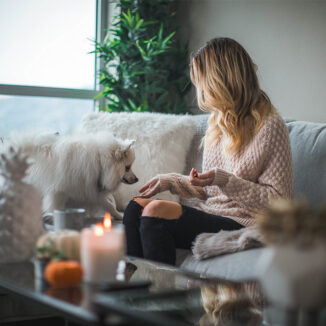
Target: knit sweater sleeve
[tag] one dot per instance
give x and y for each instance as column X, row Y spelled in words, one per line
column 179, row 184
column 276, row 177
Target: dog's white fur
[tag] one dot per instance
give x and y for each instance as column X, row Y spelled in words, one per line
column 78, row 170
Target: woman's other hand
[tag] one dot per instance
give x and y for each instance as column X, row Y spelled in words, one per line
column 151, row 188
column 201, row 179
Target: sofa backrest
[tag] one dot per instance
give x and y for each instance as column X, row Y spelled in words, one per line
column 308, row 144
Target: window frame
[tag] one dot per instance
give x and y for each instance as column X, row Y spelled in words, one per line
column 73, row 93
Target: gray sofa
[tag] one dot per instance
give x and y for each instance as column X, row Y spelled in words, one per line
column 308, row 144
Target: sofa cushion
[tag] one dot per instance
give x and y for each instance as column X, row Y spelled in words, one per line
column 195, row 153
column 237, row 266
column 308, row 144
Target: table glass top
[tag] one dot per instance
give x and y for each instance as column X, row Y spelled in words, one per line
column 173, row 296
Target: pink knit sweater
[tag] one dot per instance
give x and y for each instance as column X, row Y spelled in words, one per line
column 244, row 183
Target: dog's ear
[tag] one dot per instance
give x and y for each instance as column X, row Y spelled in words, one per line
column 120, row 152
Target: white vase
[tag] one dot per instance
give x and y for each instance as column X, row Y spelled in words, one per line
column 294, row 277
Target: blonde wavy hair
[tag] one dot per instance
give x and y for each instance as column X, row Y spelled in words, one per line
column 227, row 86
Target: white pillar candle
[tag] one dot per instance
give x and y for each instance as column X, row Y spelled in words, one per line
column 101, row 250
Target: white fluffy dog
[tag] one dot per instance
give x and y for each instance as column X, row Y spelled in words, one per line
column 79, row 170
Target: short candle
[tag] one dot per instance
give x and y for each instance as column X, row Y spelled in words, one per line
column 102, row 247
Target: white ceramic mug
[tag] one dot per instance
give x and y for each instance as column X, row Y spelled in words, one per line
column 70, row 218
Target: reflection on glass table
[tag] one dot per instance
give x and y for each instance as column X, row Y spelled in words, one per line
column 181, row 299
column 232, row 304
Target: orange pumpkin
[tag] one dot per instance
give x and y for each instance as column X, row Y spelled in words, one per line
column 63, row 273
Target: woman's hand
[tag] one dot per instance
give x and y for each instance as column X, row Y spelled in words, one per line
column 201, row 179
column 150, row 189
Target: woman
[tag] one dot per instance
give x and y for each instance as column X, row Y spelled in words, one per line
column 246, row 163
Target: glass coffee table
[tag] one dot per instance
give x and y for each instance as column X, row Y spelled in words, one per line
column 176, row 297
column 151, row 294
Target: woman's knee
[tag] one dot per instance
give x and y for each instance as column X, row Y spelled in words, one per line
column 152, row 208
column 163, row 209
column 132, row 213
column 142, row 201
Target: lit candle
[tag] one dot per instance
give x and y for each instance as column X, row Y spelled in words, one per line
column 107, row 221
column 102, row 247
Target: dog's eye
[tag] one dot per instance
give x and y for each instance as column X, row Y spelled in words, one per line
column 128, row 168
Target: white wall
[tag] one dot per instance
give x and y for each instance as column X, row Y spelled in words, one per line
column 285, row 38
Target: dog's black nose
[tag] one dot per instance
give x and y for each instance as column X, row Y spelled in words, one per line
column 136, row 180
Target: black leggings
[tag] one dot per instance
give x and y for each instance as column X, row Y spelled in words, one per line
column 157, row 238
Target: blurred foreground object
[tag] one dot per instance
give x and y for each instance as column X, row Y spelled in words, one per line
column 293, row 268
column 20, row 209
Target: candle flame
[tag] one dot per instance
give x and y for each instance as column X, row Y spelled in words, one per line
column 107, row 221
column 98, row 230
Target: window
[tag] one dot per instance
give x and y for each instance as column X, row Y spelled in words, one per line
column 47, row 74
column 52, row 114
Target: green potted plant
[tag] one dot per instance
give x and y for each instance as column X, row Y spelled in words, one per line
column 145, row 65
